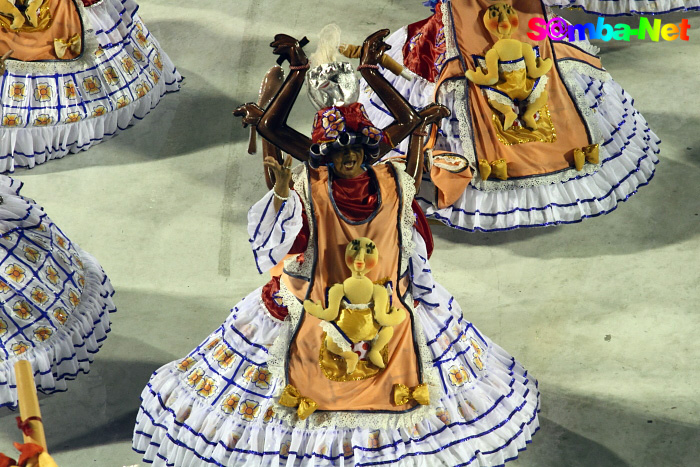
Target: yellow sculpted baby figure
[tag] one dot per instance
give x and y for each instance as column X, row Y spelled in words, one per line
column 31, row 13
column 517, row 82
column 358, row 308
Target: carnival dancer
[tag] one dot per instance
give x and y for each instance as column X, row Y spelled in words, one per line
column 263, row 390
column 542, row 135
column 80, row 72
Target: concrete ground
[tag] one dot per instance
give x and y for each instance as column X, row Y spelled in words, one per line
column 604, row 313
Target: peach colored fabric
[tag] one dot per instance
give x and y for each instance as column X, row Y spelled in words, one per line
column 333, row 234
column 450, row 185
column 534, row 158
column 30, row 46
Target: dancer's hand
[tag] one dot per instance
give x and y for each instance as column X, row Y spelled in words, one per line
column 282, row 173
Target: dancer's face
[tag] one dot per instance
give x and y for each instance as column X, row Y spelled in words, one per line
column 501, row 20
column 347, row 162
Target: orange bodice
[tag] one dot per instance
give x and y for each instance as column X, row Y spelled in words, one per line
column 331, row 233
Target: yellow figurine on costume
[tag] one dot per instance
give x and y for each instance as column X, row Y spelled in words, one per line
column 31, row 13
column 519, row 83
column 358, row 308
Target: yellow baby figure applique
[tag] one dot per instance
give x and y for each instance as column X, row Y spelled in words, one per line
column 514, row 73
column 34, row 12
column 358, row 312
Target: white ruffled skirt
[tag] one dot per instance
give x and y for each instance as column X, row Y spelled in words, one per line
column 55, row 298
column 628, row 155
column 216, row 406
column 119, row 79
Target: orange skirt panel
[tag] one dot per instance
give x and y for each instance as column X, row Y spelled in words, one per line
column 526, row 159
column 332, row 234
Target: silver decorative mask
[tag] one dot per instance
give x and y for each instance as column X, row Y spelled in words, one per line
column 331, row 84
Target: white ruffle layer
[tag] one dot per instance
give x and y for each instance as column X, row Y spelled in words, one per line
column 628, row 157
column 116, row 25
column 272, row 233
column 485, row 422
column 72, row 347
column 625, row 7
column 191, row 409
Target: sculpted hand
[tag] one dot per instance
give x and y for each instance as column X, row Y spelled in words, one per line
column 289, row 49
column 544, row 65
column 250, row 113
column 374, row 47
column 394, row 317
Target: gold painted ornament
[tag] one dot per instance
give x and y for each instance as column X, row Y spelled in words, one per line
column 403, row 394
column 586, row 154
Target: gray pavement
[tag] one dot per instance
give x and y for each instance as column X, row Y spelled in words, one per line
column 604, row 313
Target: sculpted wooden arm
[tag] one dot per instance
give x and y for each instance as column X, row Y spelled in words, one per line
column 272, row 124
column 405, row 116
column 430, row 115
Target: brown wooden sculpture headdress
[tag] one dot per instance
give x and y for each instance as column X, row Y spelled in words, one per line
column 271, row 122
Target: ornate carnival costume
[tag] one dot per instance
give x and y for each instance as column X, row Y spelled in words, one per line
column 261, row 390
column 86, row 71
column 55, row 298
column 591, row 148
